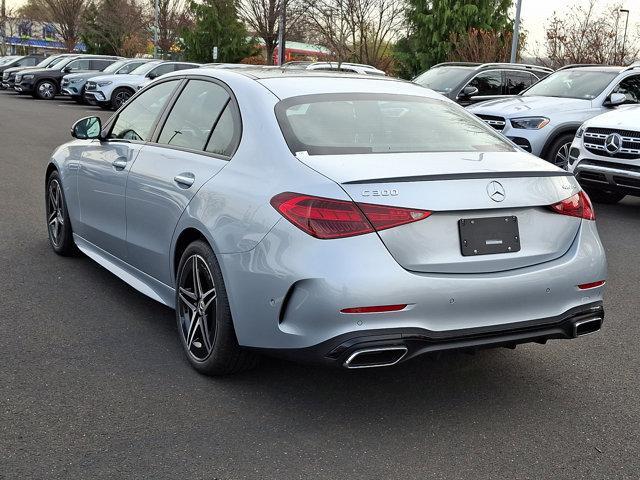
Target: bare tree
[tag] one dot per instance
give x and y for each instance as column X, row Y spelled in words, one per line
column 65, row 14
column 120, row 25
column 172, row 19
column 483, row 46
column 263, row 18
column 586, row 36
column 357, row 30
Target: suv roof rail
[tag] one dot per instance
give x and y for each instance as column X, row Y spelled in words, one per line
column 457, row 64
column 633, row 66
column 578, row 65
column 527, row 66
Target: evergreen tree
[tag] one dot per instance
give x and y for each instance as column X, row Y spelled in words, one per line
column 216, row 24
column 431, row 24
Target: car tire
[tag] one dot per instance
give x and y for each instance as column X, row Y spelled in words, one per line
column 58, row 223
column 558, row 153
column 605, row 196
column 45, row 90
column 203, row 315
column 119, row 97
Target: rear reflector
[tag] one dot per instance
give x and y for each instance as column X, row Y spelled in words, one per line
column 587, row 286
column 378, row 309
column 328, row 218
column 577, row 205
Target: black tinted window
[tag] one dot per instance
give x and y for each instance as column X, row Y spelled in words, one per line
column 100, row 64
column 136, row 120
column 518, row 81
column 630, row 87
column 488, row 83
column 194, row 115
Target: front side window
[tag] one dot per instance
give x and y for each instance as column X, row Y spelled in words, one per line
column 487, row 83
column 138, row 117
column 194, row 115
column 572, row 83
column 361, row 123
column 630, row 87
column 129, row 67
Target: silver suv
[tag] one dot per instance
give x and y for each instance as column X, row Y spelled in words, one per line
column 605, row 153
column 544, row 118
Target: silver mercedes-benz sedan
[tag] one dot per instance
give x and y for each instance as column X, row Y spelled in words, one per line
column 345, row 220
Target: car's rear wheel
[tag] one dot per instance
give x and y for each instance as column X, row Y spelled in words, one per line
column 204, row 317
column 58, row 224
column 558, row 154
column 45, row 90
column 119, row 97
column 605, row 196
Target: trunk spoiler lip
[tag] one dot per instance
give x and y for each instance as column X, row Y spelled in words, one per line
column 461, row 176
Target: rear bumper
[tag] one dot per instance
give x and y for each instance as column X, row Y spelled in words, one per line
column 342, row 351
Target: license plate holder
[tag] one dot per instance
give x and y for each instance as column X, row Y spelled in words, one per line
column 489, row 236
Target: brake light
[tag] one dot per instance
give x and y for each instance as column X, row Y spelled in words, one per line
column 577, row 205
column 327, row 218
column 587, row 286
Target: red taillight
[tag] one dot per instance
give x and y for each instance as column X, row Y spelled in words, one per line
column 578, row 205
column 587, row 286
column 328, row 218
column 378, row 309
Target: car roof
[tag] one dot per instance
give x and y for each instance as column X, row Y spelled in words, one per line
column 286, row 83
column 597, row 68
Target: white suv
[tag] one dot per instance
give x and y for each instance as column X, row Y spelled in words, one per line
column 605, row 155
column 112, row 91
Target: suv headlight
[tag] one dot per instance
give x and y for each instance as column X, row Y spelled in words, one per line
column 104, row 84
column 27, row 77
column 530, row 123
column 580, row 132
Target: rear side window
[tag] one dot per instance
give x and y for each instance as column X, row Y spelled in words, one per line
column 382, row 123
column 518, row 81
column 100, row 64
column 194, row 115
column 82, row 64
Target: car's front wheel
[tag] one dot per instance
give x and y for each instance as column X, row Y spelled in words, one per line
column 58, row 224
column 204, row 317
column 119, row 97
column 605, row 196
column 45, row 90
column 558, row 154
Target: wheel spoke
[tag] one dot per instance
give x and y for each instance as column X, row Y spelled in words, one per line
column 193, row 326
column 183, row 296
column 197, row 287
column 52, row 216
column 52, row 199
column 205, row 334
column 208, row 297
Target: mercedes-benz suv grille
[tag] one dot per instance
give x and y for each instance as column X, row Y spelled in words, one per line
column 496, row 122
column 601, row 141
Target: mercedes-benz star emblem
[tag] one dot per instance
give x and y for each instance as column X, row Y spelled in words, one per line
column 495, row 190
column 613, row 143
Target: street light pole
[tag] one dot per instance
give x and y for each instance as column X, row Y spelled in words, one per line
column 281, row 37
column 516, row 33
column 624, row 37
column 157, row 27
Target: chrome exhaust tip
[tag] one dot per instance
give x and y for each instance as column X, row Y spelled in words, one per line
column 375, row 357
column 587, row 327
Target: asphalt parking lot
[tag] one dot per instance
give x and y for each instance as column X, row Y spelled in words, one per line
column 93, row 383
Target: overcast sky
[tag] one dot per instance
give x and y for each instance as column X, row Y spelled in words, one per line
column 535, row 13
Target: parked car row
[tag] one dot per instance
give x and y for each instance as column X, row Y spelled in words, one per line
column 583, row 118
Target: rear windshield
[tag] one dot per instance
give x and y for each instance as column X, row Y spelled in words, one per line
column 334, row 124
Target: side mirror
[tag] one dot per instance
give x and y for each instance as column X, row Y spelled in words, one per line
column 87, row 128
column 152, row 75
column 66, row 70
column 615, row 99
column 469, row 91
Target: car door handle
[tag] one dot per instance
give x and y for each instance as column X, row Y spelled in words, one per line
column 185, row 179
column 119, row 163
